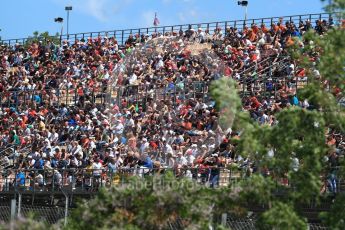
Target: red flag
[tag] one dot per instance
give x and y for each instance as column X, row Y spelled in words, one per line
column 156, row 20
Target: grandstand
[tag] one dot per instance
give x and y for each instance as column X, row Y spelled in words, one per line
column 101, row 106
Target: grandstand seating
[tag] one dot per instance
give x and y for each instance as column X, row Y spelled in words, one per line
column 104, row 100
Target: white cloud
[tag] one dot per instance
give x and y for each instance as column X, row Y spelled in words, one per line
column 181, row 16
column 186, row 16
column 97, row 9
column 177, row 1
column 193, row 13
column 102, row 10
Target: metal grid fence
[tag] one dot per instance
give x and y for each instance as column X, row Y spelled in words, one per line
column 49, row 215
column 5, row 213
column 53, row 215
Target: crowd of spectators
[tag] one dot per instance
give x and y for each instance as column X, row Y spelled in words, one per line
column 134, row 127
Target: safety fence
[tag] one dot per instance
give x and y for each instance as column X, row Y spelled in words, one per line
column 47, row 214
column 75, row 182
column 122, row 35
column 53, row 215
column 90, row 180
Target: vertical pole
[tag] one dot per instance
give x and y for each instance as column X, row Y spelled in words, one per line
column 224, row 217
column 61, row 29
column 245, row 14
column 13, row 209
column 66, row 210
column 19, row 204
column 67, row 22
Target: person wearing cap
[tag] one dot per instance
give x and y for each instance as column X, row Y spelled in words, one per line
column 97, row 169
column 201, row 35
column 195, row 150
column 144, row 145
column 215, row 165
column 180, row 160
column 57, row 179
column 76, row 148
column 190, row 157
column 112, row 166
column 119, row 127
column 31, row 161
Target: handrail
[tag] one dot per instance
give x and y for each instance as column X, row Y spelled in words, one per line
column 261, row 71
column 124, row 169
column 76, row 180
column 5, row 149
column 170, row 28
column 255, row 66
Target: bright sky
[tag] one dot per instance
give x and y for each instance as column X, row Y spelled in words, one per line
column 21, row 17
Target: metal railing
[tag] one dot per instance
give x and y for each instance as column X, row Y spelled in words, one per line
column 11, row 152
column 81, row 180
column 122, row 35
column 74, row 97
column 90, row 180
column 67, row 96
column 127, row 95
column 132, row 94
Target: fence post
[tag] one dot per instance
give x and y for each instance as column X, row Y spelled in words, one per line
column 66, row 211
column 224, row 217
column 19, row 204
column 13, row 209
column 66, row 207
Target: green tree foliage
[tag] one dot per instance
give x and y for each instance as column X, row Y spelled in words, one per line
column 43, row 37
column 281, row 216
column 24, row 224
column 227, row 101
column 299, row 134
column 335, row 219
column 154, row 203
